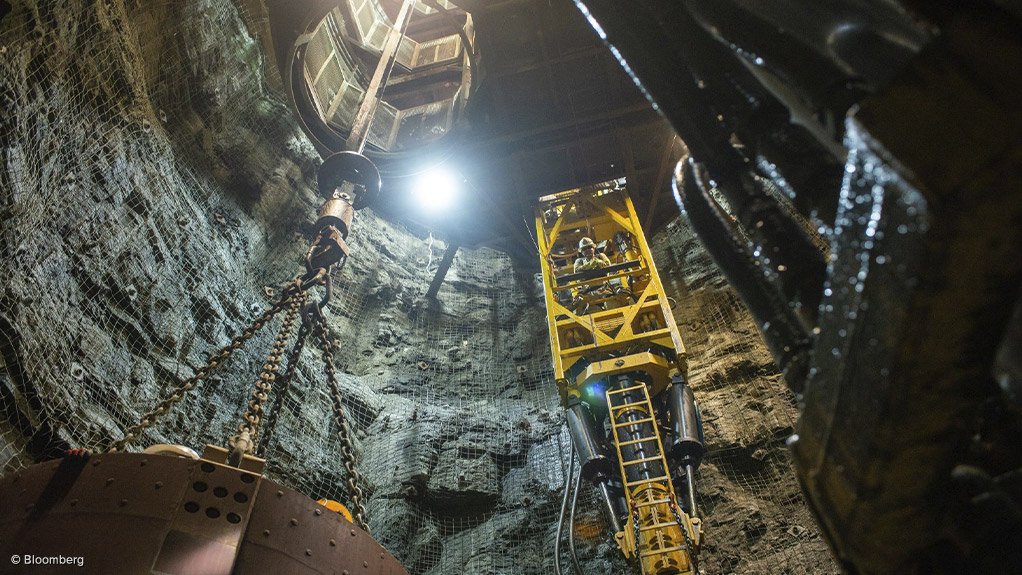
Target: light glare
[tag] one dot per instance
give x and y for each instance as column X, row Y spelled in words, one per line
column 435, row 189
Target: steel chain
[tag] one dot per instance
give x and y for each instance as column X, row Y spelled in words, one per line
column 692, row 551
column 343, row 432
column 638, row 547
column 285, row 386
column 214, row 361
column 267, row 375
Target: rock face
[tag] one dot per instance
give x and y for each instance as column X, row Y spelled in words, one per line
column 754, row 515
column 156, row 195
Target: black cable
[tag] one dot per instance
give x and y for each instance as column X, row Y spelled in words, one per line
column 564, row 507
column 571, row 523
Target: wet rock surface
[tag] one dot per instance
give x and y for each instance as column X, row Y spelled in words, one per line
column 157, row 196
column 754, row 515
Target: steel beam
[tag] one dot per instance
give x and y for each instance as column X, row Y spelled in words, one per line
column 374, row 92
column 441, row 272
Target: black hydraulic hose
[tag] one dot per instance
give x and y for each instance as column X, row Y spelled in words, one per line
column 822, row 81
column 784, row 335
column 564, row 508
column 831, row 53
column 763, row 122
column 571, row 524
column 653, row 55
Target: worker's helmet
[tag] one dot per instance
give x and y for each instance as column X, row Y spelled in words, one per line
column 586, row 243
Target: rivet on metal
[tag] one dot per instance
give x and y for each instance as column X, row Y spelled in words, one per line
column 143, row 462
column 333, row 543
column 294, row 522
column 352, row 532
column 318, row 512
column 308, row 552
column 109, row 480
column 124, row 502
column 365, row 564
column 159, row 484
column 266, row 532
column 280, row 494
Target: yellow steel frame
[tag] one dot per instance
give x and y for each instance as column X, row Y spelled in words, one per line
column 636, row 333
column 608, row 338
column 666, row 539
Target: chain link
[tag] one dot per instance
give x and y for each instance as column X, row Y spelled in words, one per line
column 638, row 547
column 285, row 386
column 248, row 430
column 343, row 432
column 294, row 298
column 692, row 551
column 214, row 361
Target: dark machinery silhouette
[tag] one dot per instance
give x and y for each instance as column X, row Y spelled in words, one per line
column 895, row 129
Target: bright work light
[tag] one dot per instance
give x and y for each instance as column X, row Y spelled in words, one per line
column 436, row 189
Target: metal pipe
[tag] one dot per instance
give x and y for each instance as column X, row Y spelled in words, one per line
column 594, row 464
column 564, row 507
column 690, row 480
column 592, row 457
column 359, row 135
column 608, row 502
column 441, row 271
column 686, row 429
column 637, row 450
column 571, row 524
column 687, row 447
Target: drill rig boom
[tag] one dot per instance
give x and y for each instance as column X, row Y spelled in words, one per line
column 620, row 364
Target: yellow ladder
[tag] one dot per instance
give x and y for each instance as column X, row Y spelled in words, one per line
column 660, row 539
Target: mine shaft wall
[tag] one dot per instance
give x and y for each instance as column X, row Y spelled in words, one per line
column 156, row 195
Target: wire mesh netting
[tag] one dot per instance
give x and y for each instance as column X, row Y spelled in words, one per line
column 157, row 196
column 755, row 516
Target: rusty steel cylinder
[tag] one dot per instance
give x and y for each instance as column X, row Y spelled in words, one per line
column 337, row 212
